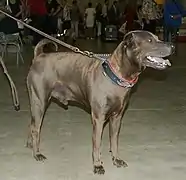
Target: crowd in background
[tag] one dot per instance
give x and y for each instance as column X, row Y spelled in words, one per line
column 53, row 18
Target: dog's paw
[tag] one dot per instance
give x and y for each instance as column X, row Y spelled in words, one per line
column 99, row 170
column 40, row 157
column 119, row 162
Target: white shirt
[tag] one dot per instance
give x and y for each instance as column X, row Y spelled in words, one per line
column 104, row 10
column 90, row 16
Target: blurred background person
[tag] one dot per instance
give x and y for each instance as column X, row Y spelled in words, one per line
column 151, row 13
column 38, row 15
column 114, row 14
column 98, row 19
column 75, row 15
column 130, row 14
column 105, row 9
column 66, row 16
column 8, row 25
column 53, row 8
column 90, row 20
column 173, row 14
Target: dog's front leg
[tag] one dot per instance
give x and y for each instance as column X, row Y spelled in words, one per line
column 114, row 130
column 98, row 124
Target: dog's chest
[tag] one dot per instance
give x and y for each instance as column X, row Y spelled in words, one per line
column 68, row 92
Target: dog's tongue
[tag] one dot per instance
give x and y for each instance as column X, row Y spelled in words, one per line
column 159, row 60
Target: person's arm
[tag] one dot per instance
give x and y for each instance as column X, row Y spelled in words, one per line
column 57, row 10
column 20, row 9
column 18, row 14
column 182, row 12
column 181, row 9
column 104, row 11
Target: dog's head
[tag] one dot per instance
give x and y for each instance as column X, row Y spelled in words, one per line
column 144, row 49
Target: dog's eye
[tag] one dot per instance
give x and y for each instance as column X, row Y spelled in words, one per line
column 150, row 40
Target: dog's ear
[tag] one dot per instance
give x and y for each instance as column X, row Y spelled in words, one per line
column 128, row 43
column 130, row 40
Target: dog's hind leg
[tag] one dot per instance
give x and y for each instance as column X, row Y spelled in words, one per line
column 38, row 102
column 114, row 130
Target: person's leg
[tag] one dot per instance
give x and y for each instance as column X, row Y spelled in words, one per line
column 153, row 26
column 174, row 35
column 67, row 28
column 103, row 25
column 89, row 32
column 76, row 29
column 55, row 25
column 165, row 34
column 52, row 24
column 150, row 26
column 40, row 23
column 59, row 24
column 73, row 26
column 99, row 29
column 73, row 33
column 146, row 26
column 92, row 32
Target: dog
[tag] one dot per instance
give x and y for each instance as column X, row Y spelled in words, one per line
column 103, row 87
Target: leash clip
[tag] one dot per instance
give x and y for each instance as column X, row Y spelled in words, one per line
column 89, row 54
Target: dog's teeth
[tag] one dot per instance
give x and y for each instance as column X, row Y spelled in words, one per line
column 168, row 62
column 150, row 58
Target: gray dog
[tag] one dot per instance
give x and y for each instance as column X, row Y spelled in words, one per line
column 104, row 88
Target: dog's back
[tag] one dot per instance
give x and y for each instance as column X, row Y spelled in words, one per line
column 68, row 68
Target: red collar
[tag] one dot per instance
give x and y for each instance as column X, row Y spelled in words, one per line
column 131, row 81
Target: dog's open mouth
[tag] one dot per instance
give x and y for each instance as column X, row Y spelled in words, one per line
column 157, row 62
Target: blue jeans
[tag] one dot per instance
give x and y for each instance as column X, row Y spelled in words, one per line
column 170, row 34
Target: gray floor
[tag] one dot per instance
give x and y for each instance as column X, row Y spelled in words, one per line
column 152, row 139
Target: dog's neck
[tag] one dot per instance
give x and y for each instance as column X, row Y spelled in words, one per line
column 124, row 69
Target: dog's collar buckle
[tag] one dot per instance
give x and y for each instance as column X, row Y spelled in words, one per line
column 107, row 71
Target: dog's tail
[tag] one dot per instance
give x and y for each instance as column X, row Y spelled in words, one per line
column 40, row 46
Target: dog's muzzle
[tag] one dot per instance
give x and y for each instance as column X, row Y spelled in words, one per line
column 158, row 59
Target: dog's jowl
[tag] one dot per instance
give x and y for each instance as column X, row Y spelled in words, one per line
column 104, row 88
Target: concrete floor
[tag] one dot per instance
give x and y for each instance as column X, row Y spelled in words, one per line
column 152, row 139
